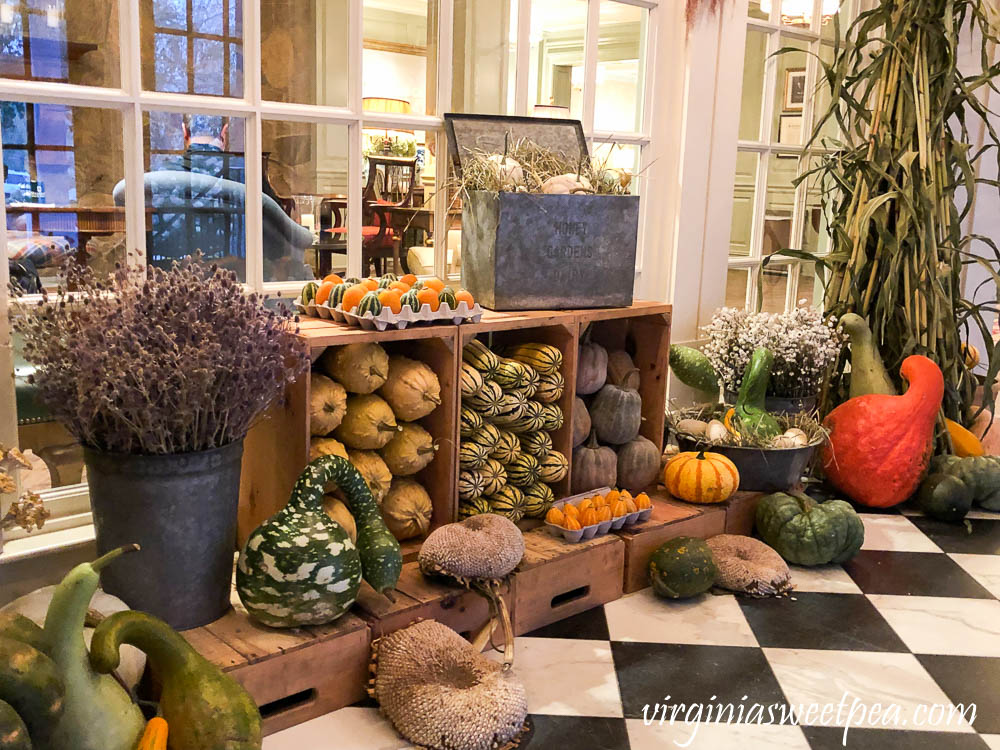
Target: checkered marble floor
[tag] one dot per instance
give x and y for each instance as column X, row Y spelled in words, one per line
column 912, row 621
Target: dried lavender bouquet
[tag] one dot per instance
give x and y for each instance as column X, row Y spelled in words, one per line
column 157, row 362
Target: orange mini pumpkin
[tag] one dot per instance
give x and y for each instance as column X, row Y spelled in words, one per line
column 585, row 505
column 334, row 278
column 427, row 296
column 588, row 517
column 619, row 509
column 464, row 295
column 642, row 501
column 630, row 505
column 434, row 283
column 390, row 298
column 370, row 284
column 555, row 516
column 604, row 513
column 571, row 523
column 613, row 497
column 400, row 286
column 409, row 279
column 352, row 297
column 570, row 511
column 323, row 293
column 701, row 477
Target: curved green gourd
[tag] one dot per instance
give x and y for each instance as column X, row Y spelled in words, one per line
column 97, row 714
column 806, row 532
column 204, row 708
column 868, row 374
column 751, row 413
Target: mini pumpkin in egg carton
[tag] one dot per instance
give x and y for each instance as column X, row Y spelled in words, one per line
column 377, row 304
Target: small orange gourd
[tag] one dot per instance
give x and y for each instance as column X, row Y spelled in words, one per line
column 585, row 505
column 570, row 511
column 352, row 297
column 400, row 286
column 619, row 509
column 155, row 736
column 569, row 522
column 555, row 516
column 604, row 513
column 642, row 501
column 434, row 283
column 600, row 501
column 588, row 517
column 630, row 504
column 370, row 284
column 465, row 296
column 323, row 293
column 613, row 497
column 333, row 279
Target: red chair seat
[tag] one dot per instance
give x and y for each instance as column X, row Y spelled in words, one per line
column 365, row 232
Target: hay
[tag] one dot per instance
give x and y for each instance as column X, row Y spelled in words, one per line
column 807, row 422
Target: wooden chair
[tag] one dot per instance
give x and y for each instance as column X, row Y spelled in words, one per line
column 391, row 181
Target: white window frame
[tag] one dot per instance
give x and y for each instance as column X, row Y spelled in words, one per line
column 658, row 156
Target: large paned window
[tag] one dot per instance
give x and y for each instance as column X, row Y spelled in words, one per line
column 780, row 105
column 270, row 135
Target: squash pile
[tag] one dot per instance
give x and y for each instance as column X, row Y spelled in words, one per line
column 387, row 291
column 509, row 411
column 366, row 406
column 608, row 449
column 596, row 509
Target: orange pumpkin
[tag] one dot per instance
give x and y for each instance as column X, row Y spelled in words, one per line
column 570, row 511
column 555, row 516
column 600, row 501
column 604, row 513
column 588, row 517
column 613, row 497
column 571, row 523
column 370, row 284
column 701, row 477
column 619, row 509
column 630, row 505
column 334, row 278
column 352, row 297
column 408, row 279
column 434, row 283
column 390, row 298
column 400, row 286
column 427, row 296
column 323, row 293
column 464, row 295
column 584, row 505
column 642, row 501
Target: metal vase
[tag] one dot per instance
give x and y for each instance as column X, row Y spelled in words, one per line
column 181, row 510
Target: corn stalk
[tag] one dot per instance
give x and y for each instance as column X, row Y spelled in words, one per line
column 898, row 182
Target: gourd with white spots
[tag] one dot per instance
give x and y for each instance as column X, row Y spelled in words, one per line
column 300, row 567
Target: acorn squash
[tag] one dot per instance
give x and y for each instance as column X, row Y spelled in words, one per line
column 681, row 568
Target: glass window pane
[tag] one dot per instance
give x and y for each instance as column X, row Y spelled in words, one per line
column 780, row 203
column 72, row 41
column 744, row 189
column 756, row 9
column 620, row 67
column 831, row 10
column 787, row 125
column 484, row 56
column 754, row 65
column 399, row 60
column 830, row 130
column 195, row 184
column 555, row 75
column 316, row 41
column 736, row 287
column 810, row 290
column 816, row 231
column 796, row 13
column 775, row 288
column 305, row 208
column 63, row 183
column 193, row 47
column 619, row 163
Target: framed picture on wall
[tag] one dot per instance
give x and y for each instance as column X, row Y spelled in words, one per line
column 795, row 88
column 790, row 132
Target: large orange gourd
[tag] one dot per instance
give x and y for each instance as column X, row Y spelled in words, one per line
column 880, row 445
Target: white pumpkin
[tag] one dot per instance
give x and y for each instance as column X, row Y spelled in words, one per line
column 694, row 427
column 564, row 184
column 507, row 170
column 716, row 432
column 792, row 438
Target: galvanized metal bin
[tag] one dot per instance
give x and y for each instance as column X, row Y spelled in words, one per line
column 524, row 251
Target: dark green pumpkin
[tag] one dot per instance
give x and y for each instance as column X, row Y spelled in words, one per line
column 944, row 497
column 805, row 532
column 309, row 292
column 410, row 299
column 336, row 297
column 369, row 304
column 447, row 297
column 682, row 568
column 980, row 473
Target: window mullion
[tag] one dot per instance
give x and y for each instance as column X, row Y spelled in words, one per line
column 523, row 57
column 446, row 10
column 132, row 136
column 647, row 57
column 590, row 45
column 355, row 34
column 8, row 401
column 253, row 147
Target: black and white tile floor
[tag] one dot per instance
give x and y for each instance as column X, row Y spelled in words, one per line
column 912, row 623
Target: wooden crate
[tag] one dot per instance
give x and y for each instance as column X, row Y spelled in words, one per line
column 642, row 330
column 293, row 675
column 741, row 509
column 556, row 579
column 670, row 519
column 420, row 598
column 270, row 473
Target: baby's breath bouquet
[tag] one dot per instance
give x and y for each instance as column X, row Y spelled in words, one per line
column 804, row 345
column 161, row 362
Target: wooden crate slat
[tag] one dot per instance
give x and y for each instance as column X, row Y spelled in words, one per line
column 255, row 641
column 214, row 649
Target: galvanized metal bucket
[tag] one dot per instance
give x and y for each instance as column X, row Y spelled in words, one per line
column 181, row 510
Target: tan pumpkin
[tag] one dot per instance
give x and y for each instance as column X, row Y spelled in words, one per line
column 638, row 464
column 336, row 509
column 373, row 470
column 409, row 451
column 581, row 422
column 594, row 466
column 407, row 509
column 360, row 368
column 411, row 389
column 701, row 477
column 327, row 404
column 591, row 367
column 369, row 423
column 321, row 446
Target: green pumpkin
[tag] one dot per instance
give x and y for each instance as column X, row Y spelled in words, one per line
column 369, row 304
column 537, row 443
column 469, row 421
column 472, row 455
column 980, row 473
column 409, row 299
column 507, row 501
column 682, row 567
column 447, row 297
column 806, row 532
column 538, row 498
column 336, row 298
column 384, row 283
column 506, row 448
column 523, row 470
column 944, row 497
column 474, row 507
column 308, row 293
column 487, row 435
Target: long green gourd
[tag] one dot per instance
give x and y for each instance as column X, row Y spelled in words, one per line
column 751, row 415
column 300, row 567
column 98, row 714
column 204, row 708
column 868, row 374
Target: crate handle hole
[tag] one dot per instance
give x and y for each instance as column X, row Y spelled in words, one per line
column 570, row 596
column 287, row 703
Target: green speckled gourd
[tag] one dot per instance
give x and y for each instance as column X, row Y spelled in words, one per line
column 537, row 443
column 469, row 421
column 300, row 567
column 681, row 568
column 369, row 304
column 806, row 532
column 751, row 416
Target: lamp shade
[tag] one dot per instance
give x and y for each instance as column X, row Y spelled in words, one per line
column 384, row 104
